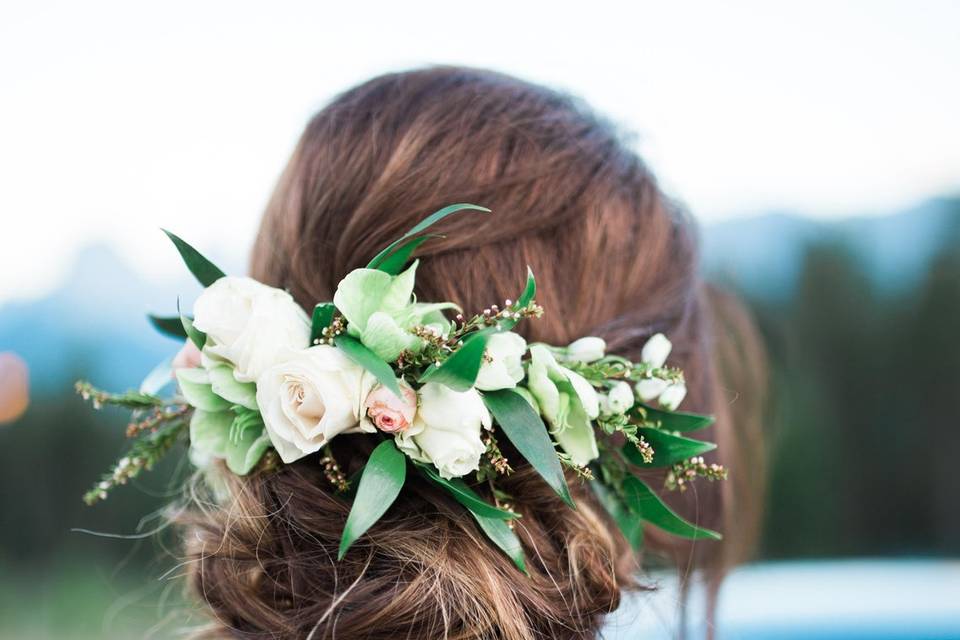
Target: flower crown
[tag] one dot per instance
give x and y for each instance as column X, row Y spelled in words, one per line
column 275, row 385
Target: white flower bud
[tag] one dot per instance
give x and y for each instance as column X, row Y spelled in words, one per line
column 651, row 388
column 620, row 398
column 656, row 350
column 673, row 395
column 586, row 349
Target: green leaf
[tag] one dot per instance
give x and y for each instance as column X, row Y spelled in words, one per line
column 202, row 269
column 367, row 359
column 158, row 378
column 322, row 317
column 630, row 524
column 667, row 448
column 169, row 326
column 396, row 261
column 197, row 337
column 423, row 225
column 383, row 477
column 465, row 495
column 503, row 536
column 677, row 420
column 460, row 370
column 525, row 429
column 641, row 500
column 525, row 298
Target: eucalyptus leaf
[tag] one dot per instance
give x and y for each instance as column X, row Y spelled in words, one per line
column 423, row 225
column 629, row 523
column 170, row 326
column 202, row 269
column 465, row 495
column 396, row 261
column 529, row 291
column 381, row 482
column 197, row 337
column 500, row 533
column 667, row 448
column 322, row 317
column 678, row 420
column 354, row 349
column 642, row 500
column 526, row 430
column 459, row 371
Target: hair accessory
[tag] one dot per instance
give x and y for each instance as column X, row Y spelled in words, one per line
column 272, row 385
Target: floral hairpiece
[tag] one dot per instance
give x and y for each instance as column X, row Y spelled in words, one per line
column 275, row 385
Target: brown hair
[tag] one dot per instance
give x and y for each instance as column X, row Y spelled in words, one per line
column 612, row 256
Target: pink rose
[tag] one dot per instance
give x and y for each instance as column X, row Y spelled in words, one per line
column 388, row 412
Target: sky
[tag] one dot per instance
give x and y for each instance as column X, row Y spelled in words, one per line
column 117, row 118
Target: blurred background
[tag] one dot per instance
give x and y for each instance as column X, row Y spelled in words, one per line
column 817, row 143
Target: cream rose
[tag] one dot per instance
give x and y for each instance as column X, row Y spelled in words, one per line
column 249, row 325
column 309, row 398
column 447, row 430
column 502, row 367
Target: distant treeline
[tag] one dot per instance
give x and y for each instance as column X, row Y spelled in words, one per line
column 865, row 420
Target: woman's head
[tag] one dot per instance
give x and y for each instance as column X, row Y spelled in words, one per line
column 612, row 256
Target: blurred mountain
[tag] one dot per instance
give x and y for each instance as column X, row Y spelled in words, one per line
column 763, row 256
column 93, row 325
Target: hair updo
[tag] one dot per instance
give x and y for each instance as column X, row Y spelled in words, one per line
column 612, row 256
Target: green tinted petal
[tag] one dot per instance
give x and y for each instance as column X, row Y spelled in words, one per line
column 196, row 388
column 386, row 338
column 400, row 292
column 360, row 294
column 578, row 439
column 226, row 386
column 209, row 432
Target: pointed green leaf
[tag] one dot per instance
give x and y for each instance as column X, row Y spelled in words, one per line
column 630, row 524
column 423, row 225
column 500, row 533
column 396, row 261
column 525, row 298
column 169, row 326
column 465, row 495
column 383, row 477
column 367, row 359
column 202, row 269
column 677, row 420
column 641, row 500
column 460, row 370
column 525, row 429
column 322, row 317
column 197, row 337
column 667, row 448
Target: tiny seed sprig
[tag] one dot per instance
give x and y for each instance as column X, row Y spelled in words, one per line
column 332, row 471
column 683, row 473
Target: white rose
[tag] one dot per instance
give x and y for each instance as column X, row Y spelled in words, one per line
column 309, row 398
column 502, row 367
column 619, row 399
column 249, row 324
column 651, row 388
column 586, row 349
column 671, row 398
column 447, row 430
column 656, row 350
